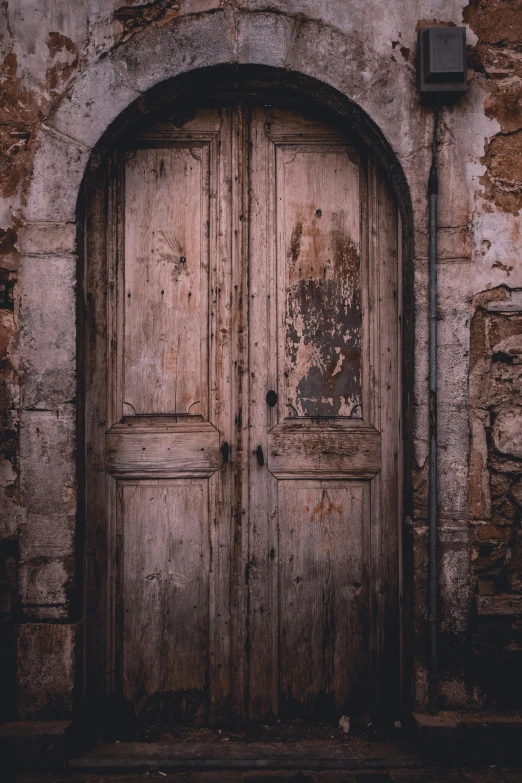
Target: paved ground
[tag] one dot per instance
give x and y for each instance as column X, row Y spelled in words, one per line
column 426, row 775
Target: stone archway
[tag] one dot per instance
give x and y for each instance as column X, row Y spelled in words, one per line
column 121, row 83
column 126, row 84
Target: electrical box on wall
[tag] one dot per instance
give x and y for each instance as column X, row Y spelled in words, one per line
column 441, row 64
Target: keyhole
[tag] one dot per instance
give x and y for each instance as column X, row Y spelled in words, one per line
column 271, row 398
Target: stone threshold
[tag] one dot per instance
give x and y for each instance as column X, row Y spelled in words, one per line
column 199, row 756
column 34, row 745
column 469, row 737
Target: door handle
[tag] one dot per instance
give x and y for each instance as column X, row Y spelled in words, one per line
column 260, row 457
column 225, row 451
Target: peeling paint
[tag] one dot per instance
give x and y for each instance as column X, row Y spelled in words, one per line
column 323, row 328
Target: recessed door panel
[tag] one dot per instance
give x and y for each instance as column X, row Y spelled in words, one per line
column 164, row 585
column 166, row 280
column 318, row 217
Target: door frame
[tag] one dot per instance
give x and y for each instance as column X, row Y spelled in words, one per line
column 98, row 230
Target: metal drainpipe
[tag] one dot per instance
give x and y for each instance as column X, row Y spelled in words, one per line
column 433, row 191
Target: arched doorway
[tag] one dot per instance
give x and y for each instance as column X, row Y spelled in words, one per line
column 242, row 416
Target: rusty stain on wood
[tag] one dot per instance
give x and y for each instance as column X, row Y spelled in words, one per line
column 323, row 299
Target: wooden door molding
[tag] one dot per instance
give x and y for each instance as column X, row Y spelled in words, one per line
column 311, row 449
column 148, row 448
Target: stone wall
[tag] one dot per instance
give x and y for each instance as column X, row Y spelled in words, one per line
column 495, row 497
column 69, row 69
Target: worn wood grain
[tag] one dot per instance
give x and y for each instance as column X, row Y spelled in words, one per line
column 164, row 583
column 318, row 217
column 323, row 597
column 384, row 414
column 166, row 280
column 190, row 449
column 263, row 679
column 285, row 555
column 315, row 451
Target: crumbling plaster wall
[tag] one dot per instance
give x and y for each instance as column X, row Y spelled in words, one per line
column 69, row 69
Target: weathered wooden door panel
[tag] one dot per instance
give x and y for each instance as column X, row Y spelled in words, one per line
column 174, row 281
column 318, row 277
column 166, row 280
column 251, row 556
column 164, row 587
column 324, row 590
column 320, row 536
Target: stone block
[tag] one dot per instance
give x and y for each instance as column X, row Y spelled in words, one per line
column 496, row 605
column 48, row 331
column 45, row 585
column 420, row 424
column 58, row 169
column 452, row 244
column 473, row 738
column 452, row 356
column 47, row 238
column 454, row 197
column 454, row 580
column 503, row 385
column 188, row 43
column 509, row 349
column 453, row 480
column 453, row 327
column 453, row 203
column 47, row 461
column 479, row 491
column 47, row 534
column 436, row 735
column 391, row 100
column 46, row 671
column 453, row 693
column 452, row 366
column 34, row 746
column 454, row 286
column 339, row 60
column 98, row 96
column 264, row 38
column 198, row 6
column 506, row 432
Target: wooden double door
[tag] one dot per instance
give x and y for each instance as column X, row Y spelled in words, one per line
column 242, row 300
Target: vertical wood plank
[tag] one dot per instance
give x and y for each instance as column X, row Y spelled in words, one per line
column 384, row 415
column 115, row 272
column 263, row 540
column 240, row 396
column 389, row 684
column 220, row 373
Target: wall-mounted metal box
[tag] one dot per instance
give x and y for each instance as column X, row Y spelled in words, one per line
column 441, row 66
